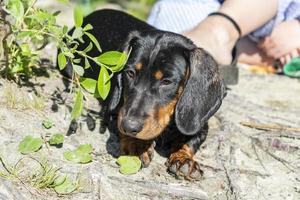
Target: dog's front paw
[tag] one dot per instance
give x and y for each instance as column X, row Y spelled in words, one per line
column 181, row 164
column 135, row 147
column 147, row 156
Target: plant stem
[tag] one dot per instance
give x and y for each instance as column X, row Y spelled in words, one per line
column 5, row 166
column 39, row 31
column 93, row 59
column 19, row 23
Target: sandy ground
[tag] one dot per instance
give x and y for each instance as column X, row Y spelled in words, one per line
column 239, row 162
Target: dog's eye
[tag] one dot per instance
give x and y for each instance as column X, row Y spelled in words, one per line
column 165, row 82
column 130, row 73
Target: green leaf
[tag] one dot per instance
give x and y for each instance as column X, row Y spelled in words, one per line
column 77, row 60
column 89, row 84
column 15, row 8
column 62, row 61
column 80, row 155
column 85, row 149
column 121, row 63
column 77, row 157
column 77, row 33
column 94, row 40
column 67, row 52
column 88, row 27
column 57, row 139
column 66, row 187
column 30, row 144
column 47, row 123
column 78, row 69
column 129, row 164
column 75, row 46
column 65, row 29
column 22, row 35
column 88, row 48
column 78, row 17
column 25, row 49
column 86, row 63
column 17, row 68
column 56, row 13
column 59, row 180
column 110, row 58
column 96, row 94
column 78, row 105
column 103, row 83
column 72, row 156
column 44, row 18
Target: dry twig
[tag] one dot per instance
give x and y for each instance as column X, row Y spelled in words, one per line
column 269, row 127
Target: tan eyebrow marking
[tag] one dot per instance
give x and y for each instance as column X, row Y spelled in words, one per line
column 158, row 75
column 138, row 66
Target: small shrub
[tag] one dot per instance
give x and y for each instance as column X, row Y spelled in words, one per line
column 27, row 31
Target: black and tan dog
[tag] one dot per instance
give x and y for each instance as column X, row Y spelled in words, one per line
column 166, row 93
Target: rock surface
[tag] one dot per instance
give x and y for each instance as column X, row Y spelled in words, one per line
column 239, row 162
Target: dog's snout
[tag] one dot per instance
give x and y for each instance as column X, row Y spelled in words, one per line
column 132, row 126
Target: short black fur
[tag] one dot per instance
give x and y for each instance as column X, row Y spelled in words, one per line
column 138, row 95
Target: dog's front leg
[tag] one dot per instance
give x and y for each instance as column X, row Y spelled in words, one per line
column 181, row 163
column 136, row 147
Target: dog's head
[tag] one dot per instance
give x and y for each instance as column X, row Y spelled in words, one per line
column 166, row 75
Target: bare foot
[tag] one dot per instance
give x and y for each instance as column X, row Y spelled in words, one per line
column 283, row 42
column 217, row 36
column 249, row 53
column 288, row 57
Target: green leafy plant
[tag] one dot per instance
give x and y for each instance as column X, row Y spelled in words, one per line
column 129, row 164
column 27, row 31
column 47, row 123
column 80, row 155
column 49, row 176
column 56, row 139
column 30, row 144
column 66, row 186
column 44, row 176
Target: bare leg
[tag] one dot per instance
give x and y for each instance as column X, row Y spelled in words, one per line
column 218, row 36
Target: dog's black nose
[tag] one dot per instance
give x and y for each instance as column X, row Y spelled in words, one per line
column 132, row 126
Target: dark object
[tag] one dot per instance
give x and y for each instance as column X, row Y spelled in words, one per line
column 166, row 93
column 72, row 127
column 230, row 73
column 90, row 122
column 292, row 68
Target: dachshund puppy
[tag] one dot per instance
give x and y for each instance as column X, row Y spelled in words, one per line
column 163, row 97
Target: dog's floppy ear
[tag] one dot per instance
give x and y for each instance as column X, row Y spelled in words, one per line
column 116, row 93
column 131, row 38
column 202, row 95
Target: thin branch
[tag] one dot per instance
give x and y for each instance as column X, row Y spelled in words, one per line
column 269, row 127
